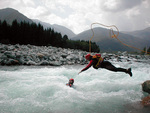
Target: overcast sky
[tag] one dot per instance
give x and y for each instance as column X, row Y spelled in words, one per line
column 78, row 15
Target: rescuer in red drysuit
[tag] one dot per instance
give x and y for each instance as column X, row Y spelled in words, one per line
column 98, row 62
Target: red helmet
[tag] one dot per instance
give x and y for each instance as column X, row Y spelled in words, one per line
column 88, row 56
column 71, row 80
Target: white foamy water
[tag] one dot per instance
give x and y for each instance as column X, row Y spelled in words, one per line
column 28, row 89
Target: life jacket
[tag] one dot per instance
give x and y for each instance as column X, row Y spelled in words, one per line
column 99, row 60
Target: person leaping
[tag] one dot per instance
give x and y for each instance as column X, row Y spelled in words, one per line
column 98, row 62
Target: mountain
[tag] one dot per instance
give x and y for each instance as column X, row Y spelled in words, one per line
column 64, row 30
column 142, row 34
column 10, row 15
column 60, row 29
column 139, row 39
column 107, row 44
column 145, row 33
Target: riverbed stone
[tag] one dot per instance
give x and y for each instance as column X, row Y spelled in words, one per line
column 146, row 86
column 48, row 55
column 12, row 62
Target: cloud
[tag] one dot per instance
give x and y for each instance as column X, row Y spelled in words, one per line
column 128, row 15
column 78, row 15
column 28, row 3
column 118, row 5
column 8, row 3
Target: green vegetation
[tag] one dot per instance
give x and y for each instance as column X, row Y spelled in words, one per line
column 148, row 50
column 25, row 33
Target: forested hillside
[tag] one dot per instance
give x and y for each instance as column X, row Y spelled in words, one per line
column 26, row 33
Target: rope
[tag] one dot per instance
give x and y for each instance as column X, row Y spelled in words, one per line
column 112, row 36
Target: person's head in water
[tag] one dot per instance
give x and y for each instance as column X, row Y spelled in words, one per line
column 70, row 83
column 88, row 57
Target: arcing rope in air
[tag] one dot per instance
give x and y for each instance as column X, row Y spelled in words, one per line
column 112, row 36
column 104, row 26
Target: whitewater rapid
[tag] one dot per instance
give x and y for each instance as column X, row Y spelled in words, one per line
column 42, row 89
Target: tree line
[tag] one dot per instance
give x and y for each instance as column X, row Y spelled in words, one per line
column 25, row 33
column 146, row 50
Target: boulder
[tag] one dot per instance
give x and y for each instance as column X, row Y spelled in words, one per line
column 44, row 62
column 55, row 63
column 146, row 101
column 12, row 62
column 70, row 57
column 40, row 55
column 63, row 55
column 146, row 86
column 30, row 62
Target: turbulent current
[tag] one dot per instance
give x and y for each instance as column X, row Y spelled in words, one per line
column 42, row 89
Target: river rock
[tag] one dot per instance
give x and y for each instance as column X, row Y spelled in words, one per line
column 40, row 55
column 12, row 62
column 44, row 62
column 30, row 62
column 48, row 55
column 146, row 86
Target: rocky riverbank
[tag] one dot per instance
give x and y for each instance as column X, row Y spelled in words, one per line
column 43, row 55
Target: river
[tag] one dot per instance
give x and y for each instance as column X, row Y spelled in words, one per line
column 42, row 89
